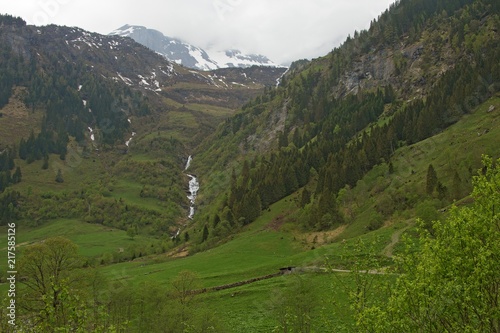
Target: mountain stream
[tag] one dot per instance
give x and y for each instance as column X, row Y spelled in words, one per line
column 194, row 186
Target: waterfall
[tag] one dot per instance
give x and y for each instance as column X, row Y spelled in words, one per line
column 194, row 186
column 188, row 163
column 91, row 133
column 127, row 143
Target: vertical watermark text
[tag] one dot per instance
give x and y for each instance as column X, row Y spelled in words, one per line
column 11, row 273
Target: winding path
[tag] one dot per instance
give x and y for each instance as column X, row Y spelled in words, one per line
column 396, row 236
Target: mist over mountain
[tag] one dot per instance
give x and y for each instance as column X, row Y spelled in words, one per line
column 190, row 55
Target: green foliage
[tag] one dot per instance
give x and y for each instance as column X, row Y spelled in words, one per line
column 154, row 308
column 132, row 231
column 451, row 283
column 376, row 221
column 183, row 286
column 47, row 269
column 427, row 212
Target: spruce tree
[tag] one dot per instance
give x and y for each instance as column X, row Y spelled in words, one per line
column 305, row 198
column 16, row 177
column 432, row 180
column 456, row 186
column 45, row 164
column 205, row 233
column 59, row 176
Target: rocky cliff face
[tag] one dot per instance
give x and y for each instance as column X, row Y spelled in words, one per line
column 408, row 68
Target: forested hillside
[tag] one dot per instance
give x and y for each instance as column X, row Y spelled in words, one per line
column 420, row 67
column 70, row 97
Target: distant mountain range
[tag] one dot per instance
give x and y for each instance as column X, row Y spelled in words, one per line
column 189, row 55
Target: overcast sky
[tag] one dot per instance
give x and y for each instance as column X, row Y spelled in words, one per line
column 283, row 30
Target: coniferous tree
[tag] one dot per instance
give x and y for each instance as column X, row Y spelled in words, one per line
column 22, row 149
column 456, row 187
column 45, row 164
column 305, row 197
column 442, row 190
column 283, row 139
column 391, row 168
column 432, row 180
column 205, row 233
column 216, row 221
column 16, row 177
column 59, row 176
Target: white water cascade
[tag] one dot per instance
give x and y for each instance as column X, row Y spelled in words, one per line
column 92, row 137
column 194, row 186
column 188, row 163
column 127, row 143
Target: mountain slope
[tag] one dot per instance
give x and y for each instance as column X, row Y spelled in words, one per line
column 189, row 55
column 332, row 120
column 121, row 60
column 70, row 96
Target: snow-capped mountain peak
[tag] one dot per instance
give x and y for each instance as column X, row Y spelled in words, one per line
column 234, row 58
column 189, row 55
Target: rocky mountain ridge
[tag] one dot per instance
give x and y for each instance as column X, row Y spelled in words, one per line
column 188, row 55
column 126, row 61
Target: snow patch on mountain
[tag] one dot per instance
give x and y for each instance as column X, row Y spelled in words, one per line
column 189, row 55
column 235, row 58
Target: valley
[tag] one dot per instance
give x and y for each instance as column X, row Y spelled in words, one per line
column 351, row 173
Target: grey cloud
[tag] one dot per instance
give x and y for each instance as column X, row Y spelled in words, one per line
column 283, row 30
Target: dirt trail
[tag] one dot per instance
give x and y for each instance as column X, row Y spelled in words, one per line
column 396, row 236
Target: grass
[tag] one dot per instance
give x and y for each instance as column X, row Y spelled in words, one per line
column 258, row 250
column 179, row 124
column 212, row 110
column 255, row 252
column 250, row 308
column 93, row 240
column 77, row 171
column 171, row 103
column 130, row 192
